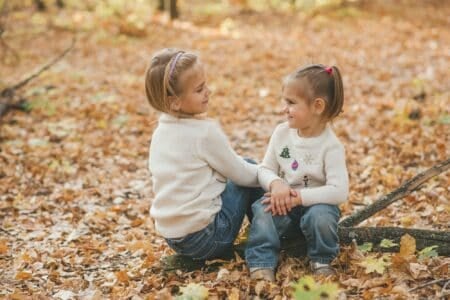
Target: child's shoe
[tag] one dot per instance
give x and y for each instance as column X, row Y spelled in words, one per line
column 322, row 269
column 263, row 274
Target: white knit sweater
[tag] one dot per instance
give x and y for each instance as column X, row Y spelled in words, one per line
column 190, row 161
column 315, row 167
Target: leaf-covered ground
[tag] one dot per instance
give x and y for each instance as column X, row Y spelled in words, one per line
column 74, row 186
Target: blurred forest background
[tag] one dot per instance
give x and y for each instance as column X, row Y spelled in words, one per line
column 75, row 128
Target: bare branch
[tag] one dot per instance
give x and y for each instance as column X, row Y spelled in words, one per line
column 429, row 283
column 44, row 68
column 404, row 190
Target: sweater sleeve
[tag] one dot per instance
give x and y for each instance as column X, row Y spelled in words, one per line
column 335, row 190
column 215, row 149
column 269, row 168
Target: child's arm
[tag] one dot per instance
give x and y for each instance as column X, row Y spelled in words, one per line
column 216, row 150
column 279, row 190
column 335, row 190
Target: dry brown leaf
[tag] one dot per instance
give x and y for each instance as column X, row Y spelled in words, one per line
column 407, row 245
column 418, row 271
column 3, row 247
column 122, row 276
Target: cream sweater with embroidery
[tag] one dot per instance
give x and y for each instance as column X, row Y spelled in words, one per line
column 315, row 167
column 190, row 161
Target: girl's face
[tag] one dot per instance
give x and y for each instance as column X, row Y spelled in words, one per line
column 302, row 115
column 194, row 97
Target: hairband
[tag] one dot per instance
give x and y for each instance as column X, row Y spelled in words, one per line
column 329, row 70
column 172, row 66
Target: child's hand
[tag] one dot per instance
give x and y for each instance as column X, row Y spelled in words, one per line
column 294, row 200
column 279, row 197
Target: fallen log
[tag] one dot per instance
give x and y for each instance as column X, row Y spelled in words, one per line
column 424, row 238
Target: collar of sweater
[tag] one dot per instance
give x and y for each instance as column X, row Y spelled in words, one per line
column 173, row 118
column 309, row 141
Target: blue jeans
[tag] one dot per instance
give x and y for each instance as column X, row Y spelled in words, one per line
column 218, row 237
column 318, row 223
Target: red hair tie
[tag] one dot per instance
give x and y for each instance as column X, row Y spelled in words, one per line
column 329, row 70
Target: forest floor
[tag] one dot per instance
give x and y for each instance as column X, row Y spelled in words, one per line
column 74, row 186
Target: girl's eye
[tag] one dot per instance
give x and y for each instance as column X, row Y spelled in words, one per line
column 288, row 102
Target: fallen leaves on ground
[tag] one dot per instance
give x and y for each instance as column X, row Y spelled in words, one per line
column 74, row 187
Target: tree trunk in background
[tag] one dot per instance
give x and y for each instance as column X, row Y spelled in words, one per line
column 170, row 5
column 60, row 3
column 40, row 5
column 173, row 9
column 161, row 5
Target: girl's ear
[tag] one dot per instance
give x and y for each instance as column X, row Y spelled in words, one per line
column 319, row 106
column 175, row 103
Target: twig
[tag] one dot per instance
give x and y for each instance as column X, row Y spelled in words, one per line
column 444, row 291
column 3, row 230
column 42, row 69
column 429, row 283
column 405, row 189
column 8, row 93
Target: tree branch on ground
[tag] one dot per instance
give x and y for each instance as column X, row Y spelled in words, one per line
column 7, row 95
column 404, row 190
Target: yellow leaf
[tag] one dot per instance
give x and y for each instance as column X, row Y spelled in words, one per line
column 138, row 245
column 193, row 291
column 407, row 245
column 23, row 275
column 374, row 265
column 234, row 295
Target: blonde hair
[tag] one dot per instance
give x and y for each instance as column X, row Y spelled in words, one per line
column 324, row 82
column 162, row 78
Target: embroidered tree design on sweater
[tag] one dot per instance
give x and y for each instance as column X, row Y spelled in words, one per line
column 285, row 153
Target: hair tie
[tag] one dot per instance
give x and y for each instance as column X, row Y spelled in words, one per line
column 329, row 70
column 174, row 63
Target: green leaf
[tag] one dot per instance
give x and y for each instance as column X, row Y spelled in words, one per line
column 366, row 247
column 120, row 120
column 377, row 265
column 444, row 119
column 428, row 252
column 307, row 289
column 193, row 291
column 385, row 243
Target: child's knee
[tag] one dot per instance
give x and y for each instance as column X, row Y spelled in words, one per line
column 322, row 218
column 260, row 216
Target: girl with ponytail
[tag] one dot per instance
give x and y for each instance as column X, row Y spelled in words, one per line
column 304, row 173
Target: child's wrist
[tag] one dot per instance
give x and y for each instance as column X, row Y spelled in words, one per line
column 275, row 182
